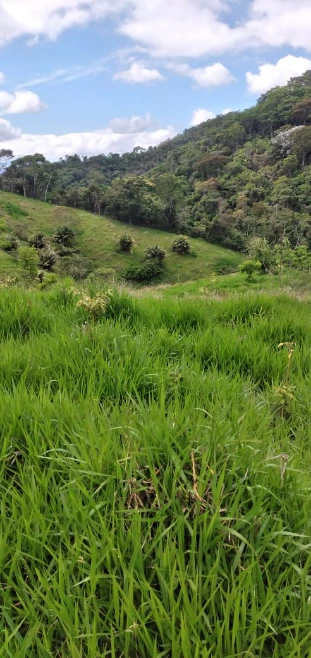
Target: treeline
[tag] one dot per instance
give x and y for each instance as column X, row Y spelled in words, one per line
column 237, row 176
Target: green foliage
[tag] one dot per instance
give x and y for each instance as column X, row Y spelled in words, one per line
column 47, row 279
column 181, row 246
column 125, row 243
column 145, row 272
column 260, row 250
column 38, row 241
column 29, row 262
column 64, row 236
column 156, row 252
column 249, row 267
column 9, row 243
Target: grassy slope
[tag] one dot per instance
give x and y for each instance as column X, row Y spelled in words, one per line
column 292, row 282
column 97, row 237
column 155, row 482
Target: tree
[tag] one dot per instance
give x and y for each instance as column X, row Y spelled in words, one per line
column 301, row 113
column 301, row 141
column 249, row 267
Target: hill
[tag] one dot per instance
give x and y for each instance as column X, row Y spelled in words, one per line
column 95, row 244
column 240, row 175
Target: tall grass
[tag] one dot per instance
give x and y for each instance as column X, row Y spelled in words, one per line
column 155, row 498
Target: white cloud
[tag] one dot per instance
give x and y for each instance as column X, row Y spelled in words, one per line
column 200, row 115
column 119, row 136
column 179, row 28
column 273, row 75
column 7, row 131
column 227, row 111
column 2, row 77
column 50, row 17
column 215, row 75
column 132, row 125
column 20, row 102
column 138, row 73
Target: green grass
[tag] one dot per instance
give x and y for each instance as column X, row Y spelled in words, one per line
column 155, row 478
column 291, row 282
column 97, row 237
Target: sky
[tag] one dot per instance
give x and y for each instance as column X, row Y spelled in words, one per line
column 101, row 76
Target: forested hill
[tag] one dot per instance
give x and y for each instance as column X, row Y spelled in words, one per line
column 244, row 174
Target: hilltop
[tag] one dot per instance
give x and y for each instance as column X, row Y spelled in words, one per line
column 95, row 244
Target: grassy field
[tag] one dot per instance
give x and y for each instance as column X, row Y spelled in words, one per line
column 292, row 282
column 96, row 241
column 155, row 477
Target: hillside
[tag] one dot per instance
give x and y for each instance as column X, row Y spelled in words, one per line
column 240, row 175
column 95, row 244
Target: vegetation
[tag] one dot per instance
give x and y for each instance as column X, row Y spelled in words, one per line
column 249, row 267
column 245, row 174
column 181, row 246
column 155, row 469
column 156, row 252
column 125, row 243
column 95, row 243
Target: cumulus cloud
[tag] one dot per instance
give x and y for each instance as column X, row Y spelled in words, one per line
column 2, row 77
column 138, row 73
column 200, row 115
column 7, row 131
column 179, row 28
column 273, row 75
column 227, row 111
column 50, row 17
column 119, row 136
column 20, row 102
column 215, row 75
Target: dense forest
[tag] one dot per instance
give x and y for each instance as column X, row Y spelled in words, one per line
column 231, row 178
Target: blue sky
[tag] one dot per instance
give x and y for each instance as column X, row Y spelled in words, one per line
column 93, row 76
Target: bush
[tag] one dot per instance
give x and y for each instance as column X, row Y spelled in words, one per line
column 29, row 261
column 155, row 252
column 95, row 306
column 10, row 243
column 38, row 241
column 249, row 267
column 125, row 243
column 47, row 280
column 145, row 272
column 64, row 236
column 47, row 258
column 181, row 246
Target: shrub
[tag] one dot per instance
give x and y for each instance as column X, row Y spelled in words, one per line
column 38, row 241
column 47, row 280
column 47, row 258
column 125, row 243
column 29, row 261
column 64, row 236
column 249, row 267
column 95, row 306
column 10, row 243
column 155, row 252
column 181, row 246
column 145, row 272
